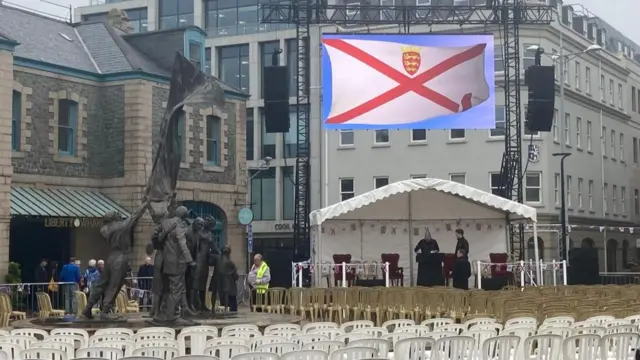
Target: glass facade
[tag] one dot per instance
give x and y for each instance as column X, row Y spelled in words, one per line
column 288, row 192
column 236, row 17
column 233, row 66
column 290, row 138
column 207, row 61
column 175, row 13
column 292, row 64
column 266, row 58
column 263, row 194
column 137, row 18
column 268, row 140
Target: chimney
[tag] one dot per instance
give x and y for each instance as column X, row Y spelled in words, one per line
column 119, row 20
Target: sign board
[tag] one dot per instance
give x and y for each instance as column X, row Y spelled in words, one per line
column 282, row 227
column 245, row 216
column 249, row 239
column 53, row 222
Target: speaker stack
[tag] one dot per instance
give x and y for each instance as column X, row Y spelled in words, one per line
column 276, row 99
column 542, row 95
column 583, row 267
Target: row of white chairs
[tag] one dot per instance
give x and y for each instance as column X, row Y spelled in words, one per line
column 539, row 347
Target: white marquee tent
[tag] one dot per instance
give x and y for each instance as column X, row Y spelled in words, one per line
column 406, row 208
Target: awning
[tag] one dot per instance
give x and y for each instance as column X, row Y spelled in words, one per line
column 61, row 203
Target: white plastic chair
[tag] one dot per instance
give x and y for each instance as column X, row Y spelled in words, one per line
column 628, row 328
column 634, row 319
column 4, row 333
column 109, row 353
column 35, row 333
column 561, row 320
column 78, row 341
column 302, row 340
column 436, row 323
column 201, row 328
column 479, row 321
column 74, row 332
column 100, row 338
column 226, row 352
column 124, row 345
column 376, row 332
column 319, row 325
column 12, row 350
column 145, row 358
column 195, row 357
column 267, row 339
column 617, row 322
column 601, row 319
column 415, row 348
column 521, row 321
column 437, row 335
column 279, row 327
column 149, row 335
column 382, row 346
column 142, row 344
column 619, row 346
column 285, row 333
column 392, row 325
column 564, row 332
column 256, row 356
column 354, row 353
column 197, row 340
column 589, row 330
column 233, row 329
column 347, row 338
column 305, row 355
column 453, row 348
column 457, row 328
column 580, row 347
column 330, row 333
column 227, row 341
column 114, row 331
column 583, row 324
column 480, row 336
column 327, row 346
column 541, row 347
column 500, row 348
column 24, row 341
column 522, row 332
column 165, row 353
column 44, row 354
column 497, row 327
column 245, row 334
column 158, row 329
column 62, row 346
column 277, row 348
column 417, row 330
column 349, row 326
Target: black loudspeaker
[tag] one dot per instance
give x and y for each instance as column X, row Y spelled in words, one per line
column 276, row 99
column 542, row 95
column 280, row 267
column 584, row 268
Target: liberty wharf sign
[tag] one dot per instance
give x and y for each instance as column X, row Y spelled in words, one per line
column 73, row 222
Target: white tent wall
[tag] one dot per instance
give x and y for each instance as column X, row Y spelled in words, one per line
column 370, row 239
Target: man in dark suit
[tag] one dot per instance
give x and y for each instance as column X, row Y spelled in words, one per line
column 176, row 258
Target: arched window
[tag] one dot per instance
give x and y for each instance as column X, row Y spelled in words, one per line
column 612, row 255
column 203, row 209
column 531, row 249
column 625, row 253
column 588, row 243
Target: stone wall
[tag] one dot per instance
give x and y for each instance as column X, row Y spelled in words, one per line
column 6, row 170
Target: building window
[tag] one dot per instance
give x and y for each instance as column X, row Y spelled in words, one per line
column 250, row 134
column 621, row 146
column 213, row 139
column 67, row 121
column 554, row 127
column 16, row 116
column 611, row 92
column 263, row 194
column 605, row 190
column 590, row 194
column 418, row 135
column 288, row 193
column 578, row 132
column 623, row 198
column 422, row 176
column 633, row 99
column 528, row 56
column 180, row 131
column 380, row 181
column 569, row 184
column 175, row 13
column 636, row 201
column 620, row 94
column 292, row 65
column 603, row 141
column 456, row 134
column 381, row 137
column 614, row 198
column 266, row 59
column 498, row 61
column 588, row 135
column 635, row 150
column 500, row 122
column 566, row 71
column 207, row 61
column 228, row 18
column 495, row 183
column 459, row 178
column 613, row 144
column 196, row 55
column 577, row 75
column 347, row 138
column 602, row 88
column 580, row 185
column 587, row 80
column 533, row 187
column 233, row 66
column 268, row 140
column 347, row 189
column 556, row 188
column 290, row 138
column 567, row 129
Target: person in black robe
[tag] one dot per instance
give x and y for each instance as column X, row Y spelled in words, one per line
column 429, row 262
column 461, row 271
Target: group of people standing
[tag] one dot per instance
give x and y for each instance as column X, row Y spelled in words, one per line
column 429, row 259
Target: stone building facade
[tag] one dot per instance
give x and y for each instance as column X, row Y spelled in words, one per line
column 84, row 115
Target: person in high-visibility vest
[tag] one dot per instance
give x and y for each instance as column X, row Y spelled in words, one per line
column 259, row 277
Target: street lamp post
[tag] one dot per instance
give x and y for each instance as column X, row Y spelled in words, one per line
column 563, row 208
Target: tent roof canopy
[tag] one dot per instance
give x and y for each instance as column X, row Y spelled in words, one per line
column 423, row 199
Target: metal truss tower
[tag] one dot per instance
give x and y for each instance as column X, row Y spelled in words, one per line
column 507, row 15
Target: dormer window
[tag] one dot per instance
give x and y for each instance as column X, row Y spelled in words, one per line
column 602, row 37
column 619, row 47
column 584, row 26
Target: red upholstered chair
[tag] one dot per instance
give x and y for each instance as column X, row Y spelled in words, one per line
column 499, row 270
column 396, row 273
column 449, row 264
column 338, row 259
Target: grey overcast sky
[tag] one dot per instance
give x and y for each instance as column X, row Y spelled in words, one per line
column 619, row 13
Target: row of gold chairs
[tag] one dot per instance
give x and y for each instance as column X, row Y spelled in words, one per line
column 420, row 303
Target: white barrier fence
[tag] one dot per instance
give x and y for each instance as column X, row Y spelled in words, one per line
column 328, row 270
column 526, row 273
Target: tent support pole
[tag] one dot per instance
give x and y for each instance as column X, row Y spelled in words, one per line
column 536, row 251
column 410, row 239
column 361, row 223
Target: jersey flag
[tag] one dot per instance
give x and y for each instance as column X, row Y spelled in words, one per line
column 389, row 83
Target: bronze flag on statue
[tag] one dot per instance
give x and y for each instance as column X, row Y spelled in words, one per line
column 189, row 86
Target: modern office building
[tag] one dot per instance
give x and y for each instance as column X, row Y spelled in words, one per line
column 597, row 120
